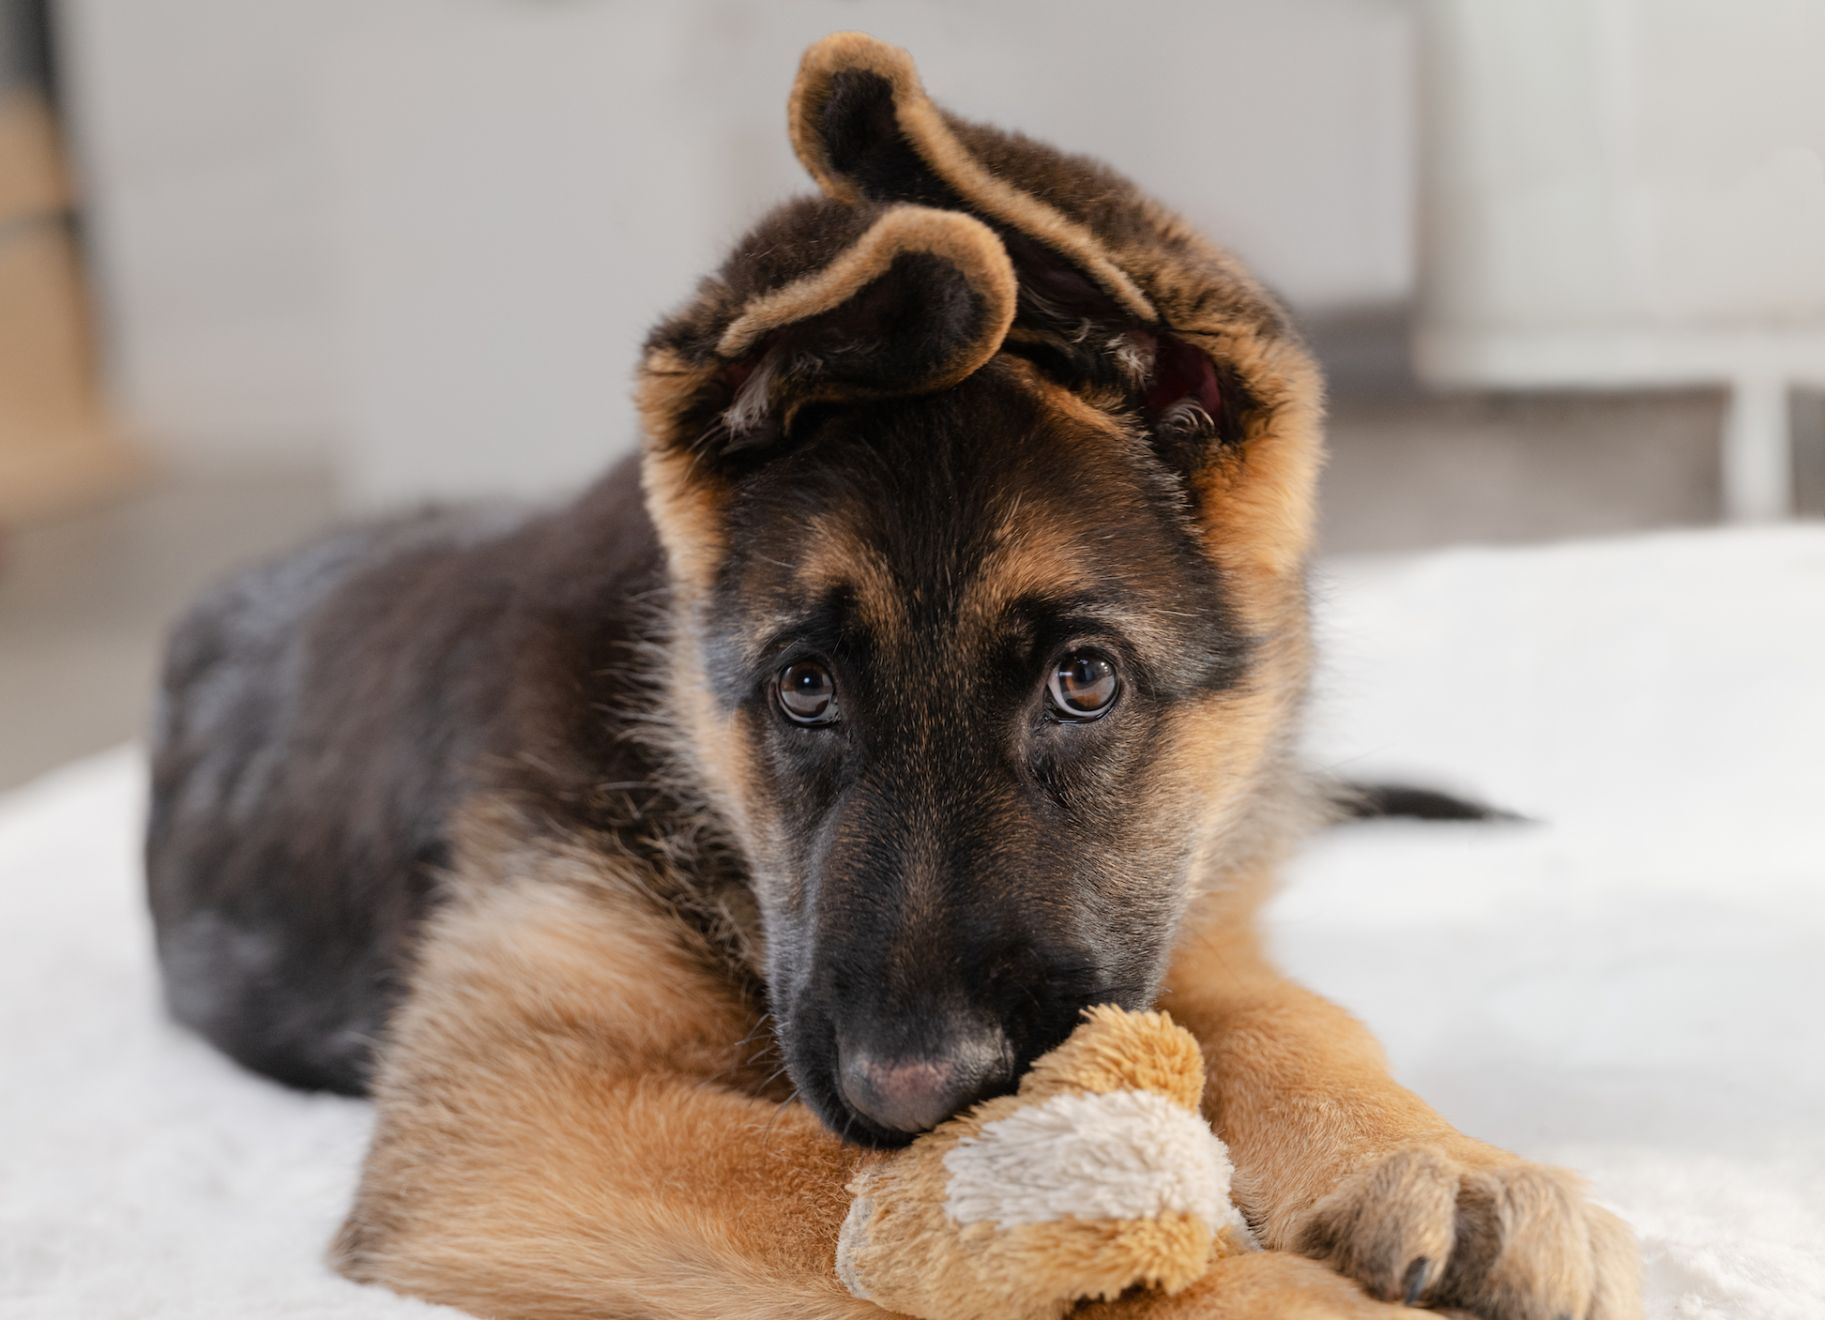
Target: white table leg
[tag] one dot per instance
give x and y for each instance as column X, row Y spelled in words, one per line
column 1758, row 450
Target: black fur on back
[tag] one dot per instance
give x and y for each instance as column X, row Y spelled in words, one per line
column 321, row 719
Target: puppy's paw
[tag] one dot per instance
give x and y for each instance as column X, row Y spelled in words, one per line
column 1474, row 1228
column 1098, row 1176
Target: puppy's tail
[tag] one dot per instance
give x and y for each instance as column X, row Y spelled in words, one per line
column 1359, row 801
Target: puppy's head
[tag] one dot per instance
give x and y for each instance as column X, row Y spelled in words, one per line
column 989, row 625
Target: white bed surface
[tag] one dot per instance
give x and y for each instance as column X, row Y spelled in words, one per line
column 1630, row 988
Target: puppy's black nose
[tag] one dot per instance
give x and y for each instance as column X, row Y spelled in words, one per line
column 912, row 1093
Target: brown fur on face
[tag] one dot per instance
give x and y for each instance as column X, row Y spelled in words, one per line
column 941, row 555
column 1144, row 437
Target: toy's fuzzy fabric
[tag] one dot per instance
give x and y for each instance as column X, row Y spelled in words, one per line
column 1098, row 1175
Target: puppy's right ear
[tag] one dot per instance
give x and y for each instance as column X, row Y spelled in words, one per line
column 825, row 303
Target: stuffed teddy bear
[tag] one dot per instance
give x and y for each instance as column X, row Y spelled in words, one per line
column 1098, row 1175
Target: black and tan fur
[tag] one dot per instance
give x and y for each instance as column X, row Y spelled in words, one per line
column 495, row 814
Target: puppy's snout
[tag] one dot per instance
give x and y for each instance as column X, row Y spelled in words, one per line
column 915, row 1092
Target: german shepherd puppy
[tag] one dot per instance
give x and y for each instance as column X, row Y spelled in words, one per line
column 935, row 674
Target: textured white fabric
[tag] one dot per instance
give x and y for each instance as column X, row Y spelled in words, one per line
column 1630, row 987
column 1119, row 1155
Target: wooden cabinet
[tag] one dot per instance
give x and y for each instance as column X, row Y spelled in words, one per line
column 56, row 448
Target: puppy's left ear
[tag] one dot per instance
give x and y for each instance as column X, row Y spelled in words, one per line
column 825, row 303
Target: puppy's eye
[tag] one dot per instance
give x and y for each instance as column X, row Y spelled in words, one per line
column 807, row 693
column 1083, row 685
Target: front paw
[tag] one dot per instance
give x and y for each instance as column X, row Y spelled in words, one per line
column 1477, row 1229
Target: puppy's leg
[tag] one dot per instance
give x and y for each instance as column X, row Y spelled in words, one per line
column 1336, row 1160
column 602, row 1196
column 569, row 1127
column 1254, row 1286
column 564, row 1130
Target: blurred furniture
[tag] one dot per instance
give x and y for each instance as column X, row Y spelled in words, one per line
column 56, row 448
column 1618, row 193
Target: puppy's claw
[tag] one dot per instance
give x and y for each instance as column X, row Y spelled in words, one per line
column 1419, row 1274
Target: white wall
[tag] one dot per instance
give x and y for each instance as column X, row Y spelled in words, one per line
column 1630, row 192
column 204, row 205
column 1624, row 164
column 431, row 232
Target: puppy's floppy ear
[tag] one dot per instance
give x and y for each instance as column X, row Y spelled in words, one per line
column 1119, row 298
column 863, row 126
column 865, row 129
column 826, row 302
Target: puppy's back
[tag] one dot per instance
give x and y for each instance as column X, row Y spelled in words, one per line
column 304, row 757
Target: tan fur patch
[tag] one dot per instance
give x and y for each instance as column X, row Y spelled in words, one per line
column 835, row 556
column 1254, row 1286
column 710, row 741
column 1031, row 553
column 1261, row 503
column 686, row 506
column 564, row 1130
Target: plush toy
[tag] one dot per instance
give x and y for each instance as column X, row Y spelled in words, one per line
column 1100, row 1174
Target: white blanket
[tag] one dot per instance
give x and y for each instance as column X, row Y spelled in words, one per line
column 1630, row 987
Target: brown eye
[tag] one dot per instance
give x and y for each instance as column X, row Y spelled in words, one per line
column 807, row 693
column 1083, row 685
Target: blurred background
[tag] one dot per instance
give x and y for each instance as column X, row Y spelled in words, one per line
column 264, row 263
